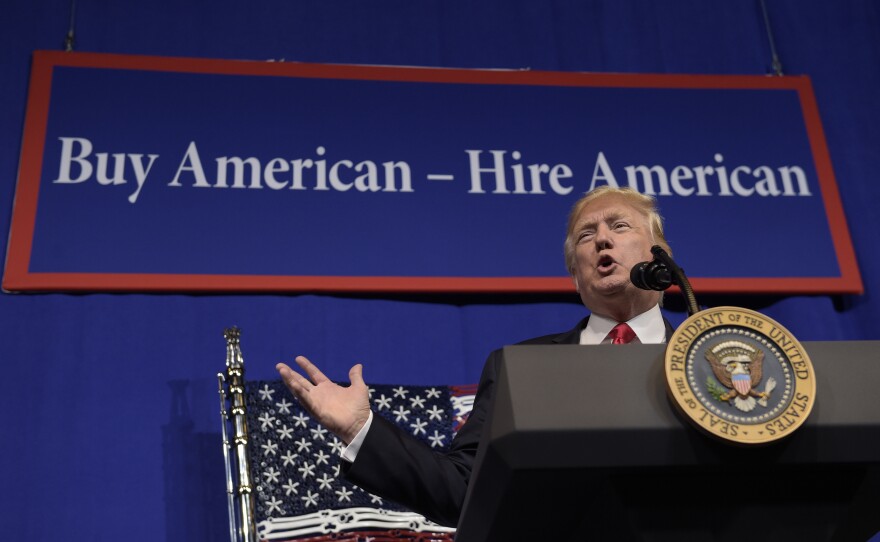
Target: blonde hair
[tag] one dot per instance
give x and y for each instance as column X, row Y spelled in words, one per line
column 647, row 205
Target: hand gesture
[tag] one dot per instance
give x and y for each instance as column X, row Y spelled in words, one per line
column 343, row 411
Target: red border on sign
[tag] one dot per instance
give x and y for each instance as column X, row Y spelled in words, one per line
column 18, row 278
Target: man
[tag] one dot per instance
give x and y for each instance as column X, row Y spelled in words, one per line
column 609, row 231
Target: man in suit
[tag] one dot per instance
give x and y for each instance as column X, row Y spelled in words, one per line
column 609, row 231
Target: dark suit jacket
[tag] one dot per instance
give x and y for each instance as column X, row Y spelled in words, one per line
column 393, row 464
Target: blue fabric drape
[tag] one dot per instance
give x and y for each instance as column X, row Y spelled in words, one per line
column 112, row 425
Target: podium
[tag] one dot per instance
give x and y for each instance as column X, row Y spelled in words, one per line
column 583, row 444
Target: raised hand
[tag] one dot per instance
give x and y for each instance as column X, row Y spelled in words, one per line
column 343, row 411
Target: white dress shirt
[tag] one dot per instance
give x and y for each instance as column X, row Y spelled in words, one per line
column 648, row 326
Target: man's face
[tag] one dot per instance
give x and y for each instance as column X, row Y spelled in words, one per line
column 611, row 236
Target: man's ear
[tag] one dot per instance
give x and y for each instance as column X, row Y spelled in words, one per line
column 577, row 285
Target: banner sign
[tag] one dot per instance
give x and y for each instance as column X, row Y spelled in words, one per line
column 143, row 173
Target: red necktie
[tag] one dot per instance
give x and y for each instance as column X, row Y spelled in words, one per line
column 622, row 334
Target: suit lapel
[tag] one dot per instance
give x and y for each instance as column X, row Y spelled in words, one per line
column 572, row 336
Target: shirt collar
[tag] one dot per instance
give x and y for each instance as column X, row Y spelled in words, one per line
column 648, row 326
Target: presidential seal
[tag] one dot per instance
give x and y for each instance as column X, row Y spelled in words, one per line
column 739, row 376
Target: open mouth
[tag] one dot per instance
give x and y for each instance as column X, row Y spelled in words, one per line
column 605, row 264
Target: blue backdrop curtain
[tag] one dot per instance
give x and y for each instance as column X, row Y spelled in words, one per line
column 110, row 401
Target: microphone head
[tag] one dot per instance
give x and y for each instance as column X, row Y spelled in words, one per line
column 658, row 251
column 653, row 275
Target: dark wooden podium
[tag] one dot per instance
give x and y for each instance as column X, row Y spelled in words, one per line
column 583, row 444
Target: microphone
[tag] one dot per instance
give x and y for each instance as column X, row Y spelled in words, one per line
column 653, row 275
column 661, row 273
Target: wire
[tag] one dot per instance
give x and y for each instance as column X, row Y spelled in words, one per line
column 69, row 39
column 777, row 65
